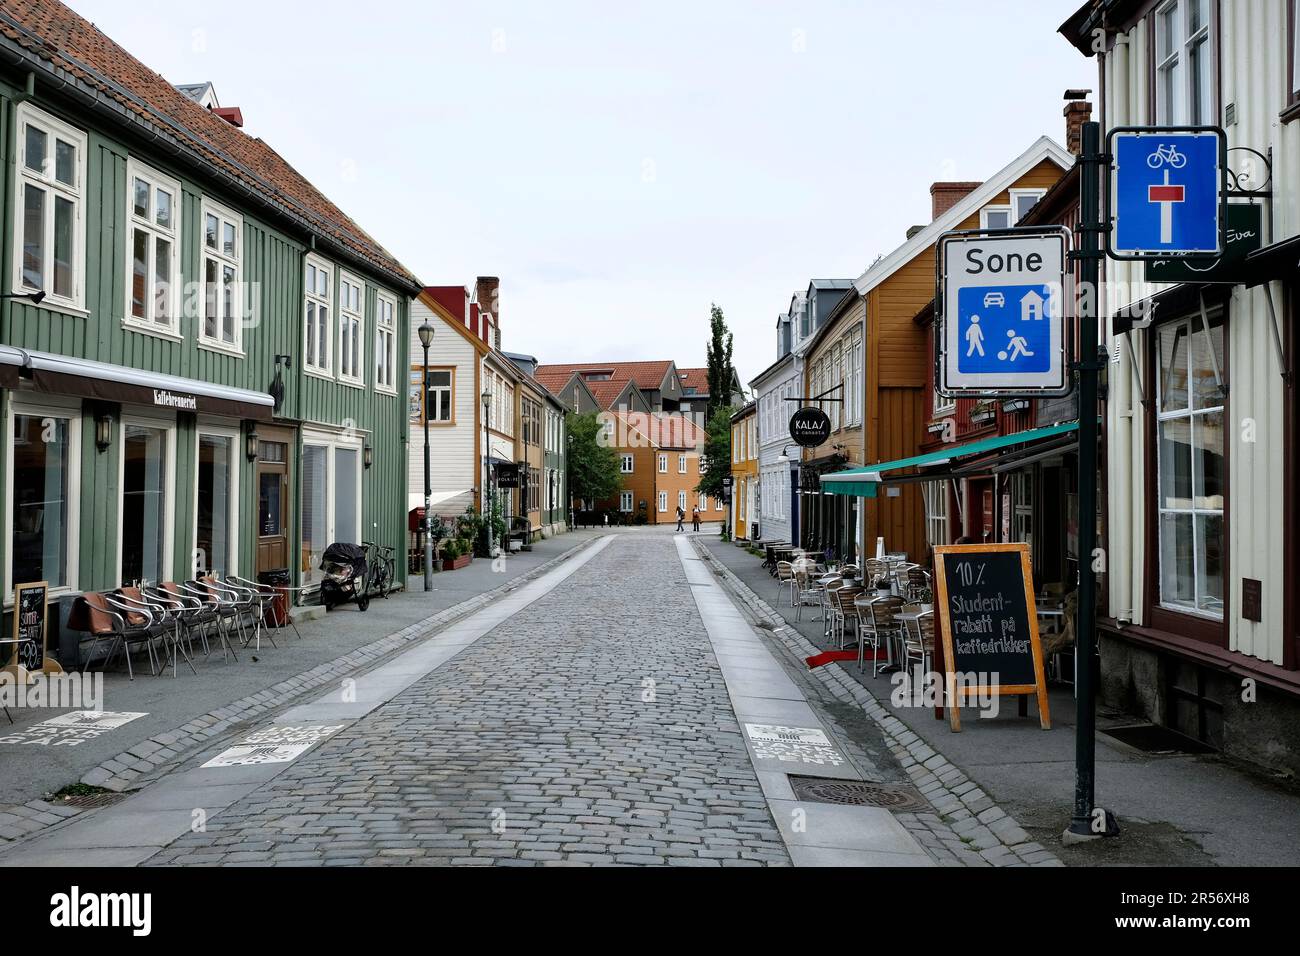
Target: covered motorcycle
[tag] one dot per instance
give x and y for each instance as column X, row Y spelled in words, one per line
column 344, row 566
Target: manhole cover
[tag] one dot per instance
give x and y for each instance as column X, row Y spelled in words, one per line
column 859, row 793
column 1152, row 739
column 89, row 801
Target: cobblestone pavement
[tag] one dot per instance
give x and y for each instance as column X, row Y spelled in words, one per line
column 593, row 727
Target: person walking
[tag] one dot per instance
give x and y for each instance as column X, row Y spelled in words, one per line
column 681, row 516
column 695, row 518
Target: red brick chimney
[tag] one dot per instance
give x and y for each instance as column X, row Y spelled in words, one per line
column 487, row 294
column 231, row 114
column 943, row 196
column 1077, row 112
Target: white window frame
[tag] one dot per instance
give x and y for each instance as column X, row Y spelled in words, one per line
column 54, row 409
column 25, row 114
column 663, row 464
column 236, row 447
column 1017, row 195
column 681, row 464
column 331, row 442
column 385, row 342
column 1176, row 62
column 168, row 426
column 626, row 465
column 347, row 316
column 154, row 179
column 330, row 302
column 681, row 500
column 663, row 502
column 625, row 502
column 987, row 210
column 224, row 216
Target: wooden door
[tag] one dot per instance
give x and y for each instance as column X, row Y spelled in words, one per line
column 272, row 477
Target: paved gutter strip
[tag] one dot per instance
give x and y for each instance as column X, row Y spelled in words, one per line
column 149, row 759
column 967, row 827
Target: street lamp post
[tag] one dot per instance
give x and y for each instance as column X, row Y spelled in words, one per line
column 426, row 338
column 487, row 475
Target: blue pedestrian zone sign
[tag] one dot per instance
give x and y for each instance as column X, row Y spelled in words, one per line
column 1166, row 188
column 1004, row 327
column 1000, row 318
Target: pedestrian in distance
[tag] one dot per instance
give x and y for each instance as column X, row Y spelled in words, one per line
column 681, row 516
column 695, row 518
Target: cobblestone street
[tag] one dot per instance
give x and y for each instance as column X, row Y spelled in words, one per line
column 594, row 728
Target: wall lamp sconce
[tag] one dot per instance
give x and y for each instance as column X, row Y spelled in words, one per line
column 250, row 444
column 785, row 454
column 368, row 455
column 103, row 431
column 35, row 298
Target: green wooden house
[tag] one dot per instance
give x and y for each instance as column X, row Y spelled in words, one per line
column 201, row 357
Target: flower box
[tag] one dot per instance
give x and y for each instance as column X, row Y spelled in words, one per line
column 451, row 564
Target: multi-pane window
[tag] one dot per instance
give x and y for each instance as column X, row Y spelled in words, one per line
column 663, row 501
column 681, row 464
column 385, row 342
column 681, row 500
column 222, row 252
column 936, row 512
column 153, row 217
column 439, row 403
column 663, row 464
column 318, row 288
column 626, row 466
column 1190, row 406
column 1184, row 58
column 49, row 196
column 625, row 501
column 351, row 302
column 42, row 481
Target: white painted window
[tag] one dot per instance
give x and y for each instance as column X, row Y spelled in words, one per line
column 625, row 501
column 1184, row 62
column 331, row 496
column 385, row 343
column 153, row 228
column 49, row 213
column 43, row 488
column 222, row 254
column 681, row 500
column 1022, row 200
column 663, row 501
column 681, row 464
column 702, row 502
column 996, row 217
column 352, row 299
column 626, row 465
column 319, row 303
column 935, row 497
column 663, row 464
column 1190, row 405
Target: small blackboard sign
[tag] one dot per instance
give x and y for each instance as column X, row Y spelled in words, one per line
column 990, row 624
column 507, row 476
column 29, row 623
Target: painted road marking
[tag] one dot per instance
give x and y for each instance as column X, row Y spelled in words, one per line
column 277, row 744
column 68, row 730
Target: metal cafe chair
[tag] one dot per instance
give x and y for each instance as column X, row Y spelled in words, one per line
column 918, row 642
column 808, row 592
column 223, row 610
column 785, row 579
column 190, row 615
column 846, row 613
column 266, row 597
column 108, row 623
column 829, row 583
column 163, row 623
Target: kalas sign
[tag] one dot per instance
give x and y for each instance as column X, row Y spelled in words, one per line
column 810, row 427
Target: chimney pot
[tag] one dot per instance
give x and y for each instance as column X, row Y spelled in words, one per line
column 943, row 196
column 1076, row 112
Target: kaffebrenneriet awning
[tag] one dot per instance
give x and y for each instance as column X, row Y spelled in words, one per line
column 863, row 482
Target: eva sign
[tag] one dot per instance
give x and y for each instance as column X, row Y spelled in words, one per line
column 1000, row 313
column 809, row 427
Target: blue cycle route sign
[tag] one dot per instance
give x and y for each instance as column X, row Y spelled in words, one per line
column 1165, row 193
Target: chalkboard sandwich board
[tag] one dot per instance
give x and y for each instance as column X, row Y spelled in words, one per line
column 990, row 625
column 30, row 634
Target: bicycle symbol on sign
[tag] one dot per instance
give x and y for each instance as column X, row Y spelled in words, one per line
column 1167, row 154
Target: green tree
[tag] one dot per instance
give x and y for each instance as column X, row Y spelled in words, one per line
column 721, row 371
column 593, row 467
column 717, row 453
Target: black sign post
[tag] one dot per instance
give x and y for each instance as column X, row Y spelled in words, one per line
column 989, row 623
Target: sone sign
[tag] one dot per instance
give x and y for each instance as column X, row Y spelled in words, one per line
column 1001, row 312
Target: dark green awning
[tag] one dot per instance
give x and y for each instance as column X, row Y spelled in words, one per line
column 863, row 482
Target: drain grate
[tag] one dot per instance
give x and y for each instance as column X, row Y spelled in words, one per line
column 859, row 793
column 89, row 801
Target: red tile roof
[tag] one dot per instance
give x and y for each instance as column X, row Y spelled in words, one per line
column 664, row 430
column 649, row 375
column 73, row 45
column 696, row 378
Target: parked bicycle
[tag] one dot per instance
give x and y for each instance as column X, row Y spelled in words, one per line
column 383, row 567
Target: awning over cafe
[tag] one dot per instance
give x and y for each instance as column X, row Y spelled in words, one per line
column 64, row 375
column 863, row 482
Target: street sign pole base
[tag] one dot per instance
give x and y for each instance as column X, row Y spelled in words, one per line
column 1085, row 831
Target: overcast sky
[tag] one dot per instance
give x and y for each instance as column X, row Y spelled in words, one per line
column 621, row 166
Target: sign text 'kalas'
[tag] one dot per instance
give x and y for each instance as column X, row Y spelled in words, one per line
column 810, row 427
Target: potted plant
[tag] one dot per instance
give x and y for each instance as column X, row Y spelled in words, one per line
column 456, row 553
column 882, row 586
column 925, row 597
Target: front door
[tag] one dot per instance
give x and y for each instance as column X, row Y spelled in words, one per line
column 272, row 476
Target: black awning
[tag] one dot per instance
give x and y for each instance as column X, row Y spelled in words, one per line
column 1171, row 303
column 1281, row 260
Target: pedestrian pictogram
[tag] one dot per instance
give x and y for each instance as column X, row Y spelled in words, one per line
column 1166, row 193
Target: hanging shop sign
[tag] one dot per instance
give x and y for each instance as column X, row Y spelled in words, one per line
column 989, row 623
column 1166, row 191
column 1000, row 313
column 810, row 427
column 1243, row 236
column 507, row 475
